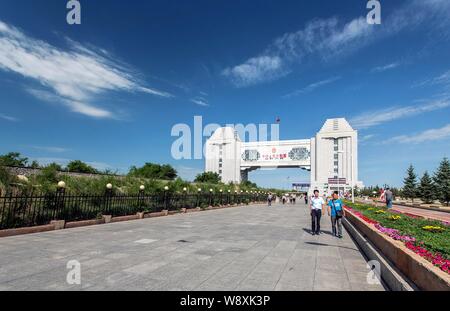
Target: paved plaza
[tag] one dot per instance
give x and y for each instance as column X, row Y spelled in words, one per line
column 431, row 214
column 241, row 248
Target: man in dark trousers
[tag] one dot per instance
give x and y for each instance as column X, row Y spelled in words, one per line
column 336, row 211
column 317, row 207
column 389, row 196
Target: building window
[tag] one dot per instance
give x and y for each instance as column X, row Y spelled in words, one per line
column 336, row 170
column 220, row 172
column 336, row 148
column 336, row 163
column 336, row 156
column 220, row 165
column 220, row 160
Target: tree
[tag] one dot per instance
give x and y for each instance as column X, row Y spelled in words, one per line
column 442, row 182
column 208, row 177
column 13, row 159
column 5, row 179
column 154, row 171
column 55, row 166
column 410, row 184
column 168, row 172
column 78, row 166
column 248, row 184
column 426, row 188
column 35, row 164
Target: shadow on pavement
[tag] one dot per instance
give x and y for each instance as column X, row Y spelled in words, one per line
column 322, row 231
column 332, row 245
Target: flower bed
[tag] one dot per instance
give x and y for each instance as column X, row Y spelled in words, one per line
column 429, row 239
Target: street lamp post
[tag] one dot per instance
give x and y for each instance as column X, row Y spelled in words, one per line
column 199, row 190
column 166, row 201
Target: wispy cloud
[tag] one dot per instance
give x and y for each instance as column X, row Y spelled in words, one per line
column 373, row 118
column 200, row 102
column 8, row 118
column 255, row 70
column 311, row 87
column 326, row 39
column 51, row 149
column 425, row 136
column 366, row 138
column 73, row 76
column 385, row 67
column 442, row 79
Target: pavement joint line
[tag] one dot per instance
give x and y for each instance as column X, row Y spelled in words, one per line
column 251, row 270
column 145, row 241
column 340, row 256
column 315, row 267
column 285, row 266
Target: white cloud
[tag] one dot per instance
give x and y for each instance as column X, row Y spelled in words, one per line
column 425, row 136
column 200, row 102
column 50, row 149
column 442, row 79
column 312, row 87
column 328, row 38
column 373, row 118
column 385, row 67
column 73, row 76
column 255, row 70
column 8, row 118
column 366, row 138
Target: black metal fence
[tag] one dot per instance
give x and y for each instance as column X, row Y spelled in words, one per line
column 33, row 210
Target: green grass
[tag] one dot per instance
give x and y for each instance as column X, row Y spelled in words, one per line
column 406, row 225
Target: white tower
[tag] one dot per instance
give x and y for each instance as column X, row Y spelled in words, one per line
column 334, row 157
column 223, row 155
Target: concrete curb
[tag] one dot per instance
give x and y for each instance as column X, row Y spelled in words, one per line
column 390, row 275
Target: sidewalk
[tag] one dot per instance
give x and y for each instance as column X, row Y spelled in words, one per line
column 243, row 248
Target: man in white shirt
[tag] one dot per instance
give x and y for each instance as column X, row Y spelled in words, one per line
column 317, row 207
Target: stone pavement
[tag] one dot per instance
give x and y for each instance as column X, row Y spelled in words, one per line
column 431, row 214
column 240, row 248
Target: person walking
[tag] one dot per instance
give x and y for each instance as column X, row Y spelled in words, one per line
column 269, row 199
column 317, row 207
column 389, row 196
column 306, row 198
column 336, row 211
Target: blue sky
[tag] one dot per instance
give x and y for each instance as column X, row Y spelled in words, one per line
column 108, row 91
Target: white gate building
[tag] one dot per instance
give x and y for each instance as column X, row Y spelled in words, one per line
column 331, row 156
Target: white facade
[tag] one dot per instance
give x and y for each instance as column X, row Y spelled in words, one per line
column 331, row 154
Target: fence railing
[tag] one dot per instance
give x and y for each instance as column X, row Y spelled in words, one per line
column 33, row 210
